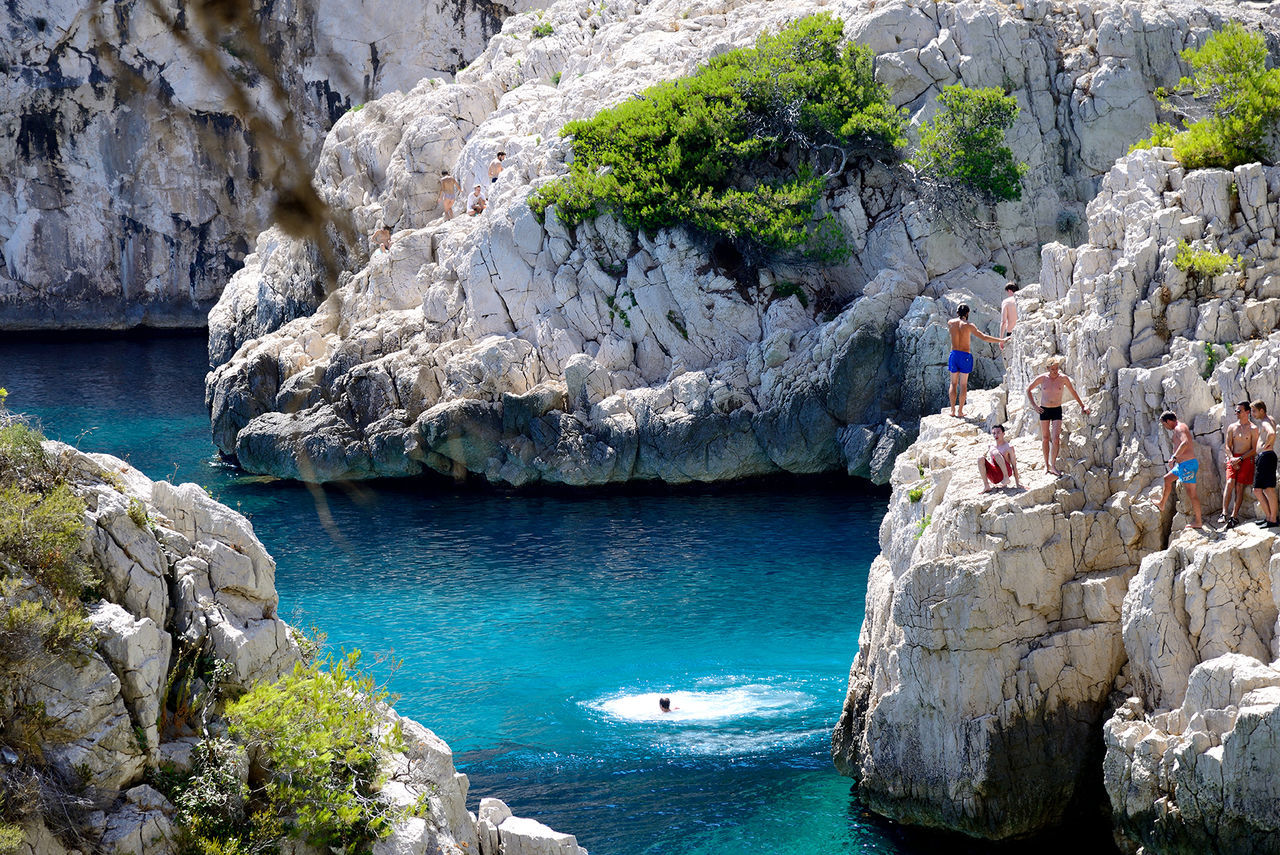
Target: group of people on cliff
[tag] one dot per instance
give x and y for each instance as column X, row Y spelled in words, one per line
column 477, row 201
column 1249, row 446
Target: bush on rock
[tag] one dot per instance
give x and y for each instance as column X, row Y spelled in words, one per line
column 737, row 150
column 1236, row 96
column 962, row 161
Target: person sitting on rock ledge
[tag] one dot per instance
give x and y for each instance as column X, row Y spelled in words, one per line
column 960, row 362
column 1240, row 442
column 1183, row 464
column 999, row 464
column 1052, row 384
column 1264, row 475
column 381, row 239
column 476, row 202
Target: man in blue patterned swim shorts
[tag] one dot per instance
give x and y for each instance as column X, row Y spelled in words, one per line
column 1183, row 464
column 960, row 363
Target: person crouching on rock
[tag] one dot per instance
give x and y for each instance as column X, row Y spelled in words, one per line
column 960, row 362
column 1183, row 464
column 476, row 201
column 999, row 464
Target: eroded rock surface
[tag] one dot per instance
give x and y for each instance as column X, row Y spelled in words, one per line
column 523, row 351
column 995, row 643
column 185, row 577
column 122, row 206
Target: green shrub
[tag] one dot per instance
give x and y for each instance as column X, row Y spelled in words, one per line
column 922, row 525
column 964, row 144
column 138, row 513
column 11, row 838
column 317, row 732
column 732, row 150
column 542, row 31
column 1162, row 134
column 783, row 290
column 1000, row 269
column 42, row 534
column 915, row 494
column 1236, row 97
column 555, row 81
column 1204, row 264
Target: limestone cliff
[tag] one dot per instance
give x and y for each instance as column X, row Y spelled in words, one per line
column 1003, row 629
column 524, row 352
column 183, row 577
column 123, row 205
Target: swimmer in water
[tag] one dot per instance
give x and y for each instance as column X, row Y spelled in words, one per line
column 664, row 704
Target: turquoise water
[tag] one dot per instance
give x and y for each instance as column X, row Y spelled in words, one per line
column 535, row 631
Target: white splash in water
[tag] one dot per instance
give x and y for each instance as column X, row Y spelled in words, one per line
column 750, row 701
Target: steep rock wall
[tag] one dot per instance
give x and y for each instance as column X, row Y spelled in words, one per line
column 523, row 351
column 999, row 634
column 122, row 206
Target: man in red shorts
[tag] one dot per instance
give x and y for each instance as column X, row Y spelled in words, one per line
column 999, row 464
column 1241, row 440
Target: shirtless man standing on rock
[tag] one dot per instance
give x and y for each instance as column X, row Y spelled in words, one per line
column 1052, row 384
column 1241, row 438
column 960, row 362
column 1264, row 476
column 1183, row 464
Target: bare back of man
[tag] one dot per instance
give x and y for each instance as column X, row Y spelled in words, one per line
column 960, row 362
column 1183, row 464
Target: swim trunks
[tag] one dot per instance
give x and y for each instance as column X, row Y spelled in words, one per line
column 1242, row 472
column 1265, row 473
column 449, row 197
column 960, row 362
column 994, row 475
column 1051, row 414
column 493, row 180
column 1186, row 470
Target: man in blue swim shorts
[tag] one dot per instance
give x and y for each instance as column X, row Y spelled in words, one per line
column 1183, row 464
column 960, row 363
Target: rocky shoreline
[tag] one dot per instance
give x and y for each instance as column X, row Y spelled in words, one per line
column 183, row 575
column 521, row 351
column 1012, row 637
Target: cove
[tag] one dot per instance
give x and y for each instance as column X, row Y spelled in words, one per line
column 535, row 631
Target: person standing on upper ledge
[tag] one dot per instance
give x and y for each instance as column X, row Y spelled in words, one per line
column 495, row 166
column 1052, row 384
column 1008, row 310
column 1241, row 439
column 1183, row 464
column 960, row 362
column 1264, row 474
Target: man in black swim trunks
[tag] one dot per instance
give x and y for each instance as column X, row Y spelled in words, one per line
column 1264, row 471
column 1052, row 384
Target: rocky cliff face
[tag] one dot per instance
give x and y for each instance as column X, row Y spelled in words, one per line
column 124, row 205
column 526, row 352
column 1004, row 629
column 183, row 575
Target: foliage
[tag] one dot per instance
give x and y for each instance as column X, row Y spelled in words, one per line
column 962, row 149
column 783, row 290
column 1230, row 103
column 736, row 150
column 138, row 513
column 922, row 525
column 542, row 30
column 1162, row 134
column 1211, row 359
column 555, row 81
column 1204, row 264
column 317, row 732
column 999, row 269
column 42, row 535
column 11, row 838
column 915, row 494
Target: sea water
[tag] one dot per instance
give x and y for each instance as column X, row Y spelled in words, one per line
column 535, row 631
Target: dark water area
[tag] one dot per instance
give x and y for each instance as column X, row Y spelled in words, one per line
column 535, row 630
